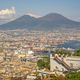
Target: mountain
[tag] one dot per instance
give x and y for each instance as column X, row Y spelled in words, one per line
column 48, row 22
column 20, row 23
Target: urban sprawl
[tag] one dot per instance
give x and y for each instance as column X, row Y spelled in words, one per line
column 34, row 55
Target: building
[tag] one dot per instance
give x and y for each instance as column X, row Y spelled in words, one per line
column 63, row 64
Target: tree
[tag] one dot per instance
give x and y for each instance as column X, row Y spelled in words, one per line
column 73, row 76
column 77, row 52
column 63, row 52
column 44, row 63
column 47, row 62
column 40, row 64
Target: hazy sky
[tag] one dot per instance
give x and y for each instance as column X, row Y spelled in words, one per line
column 68, row 8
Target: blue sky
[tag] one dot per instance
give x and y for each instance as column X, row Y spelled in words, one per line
column 68, row 8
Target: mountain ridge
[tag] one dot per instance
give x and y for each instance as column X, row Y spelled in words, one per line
column 48, row 22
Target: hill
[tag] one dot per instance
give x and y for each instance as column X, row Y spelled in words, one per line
column 48, row 22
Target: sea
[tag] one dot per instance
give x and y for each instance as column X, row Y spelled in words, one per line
column 70, row 44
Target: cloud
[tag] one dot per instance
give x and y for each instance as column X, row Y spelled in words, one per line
column 7, row 14
column 33, row 15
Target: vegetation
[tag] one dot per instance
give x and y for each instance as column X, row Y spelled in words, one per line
column 67, row 52
column 63, row 52
column 44, row 63
column 77, row 52
column 68, row 76
column 73, row 76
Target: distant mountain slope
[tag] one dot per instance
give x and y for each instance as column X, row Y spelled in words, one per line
column 48, row 22
column 20, row 23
